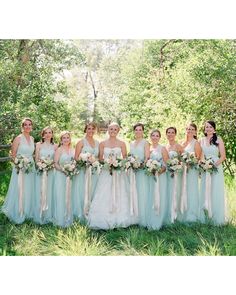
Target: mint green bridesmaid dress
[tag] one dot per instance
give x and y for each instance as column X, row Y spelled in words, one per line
column 62, row 207
column 78, row 184
column 11, row 204
column 142, row 182
column 155, row 218
column 191, row 212
column 43, row 212
column 217, row 192
column 174, row 185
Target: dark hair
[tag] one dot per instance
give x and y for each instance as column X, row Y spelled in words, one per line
column 171, row 128
column 43, row 131
column 195, row 127
column 138, row 124
column 155, row 130
column 89, row 124
column 214, row 137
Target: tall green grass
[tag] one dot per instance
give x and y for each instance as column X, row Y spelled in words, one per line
column 177, row 239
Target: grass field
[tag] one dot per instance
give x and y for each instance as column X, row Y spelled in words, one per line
column 178, row 239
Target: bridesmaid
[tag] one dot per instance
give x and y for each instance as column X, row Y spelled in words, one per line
column 18, row 204
column 82, row 195
column 173, row 183
column 190, row 188
column 110, row 205
column 43, row 199
column 212, row 145
column 140, row 148
column 62, row 208
column 156, row 216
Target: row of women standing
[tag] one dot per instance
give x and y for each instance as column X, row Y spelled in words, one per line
column 107, row 201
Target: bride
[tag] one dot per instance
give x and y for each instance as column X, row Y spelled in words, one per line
column 110, row 205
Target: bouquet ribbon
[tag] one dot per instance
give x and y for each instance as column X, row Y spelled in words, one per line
column 44, row 183
column 87, row 194
column 208, row 194
column 156, row 203
column 68, row 194
column 115, row 202
column 133, row 194
column 174, row 201
column 183, row 204
column 20, row 189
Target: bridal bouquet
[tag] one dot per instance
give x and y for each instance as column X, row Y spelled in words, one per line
column 44, row 165
column 70, row 169
column 131, row 162
column 24, row 164
column 174, row 165
column 152, row 168
column 86, row 160
column 112, row 162
column 208, row 165
column 189, row 159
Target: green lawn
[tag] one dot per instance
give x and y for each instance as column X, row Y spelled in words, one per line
column 178, row 239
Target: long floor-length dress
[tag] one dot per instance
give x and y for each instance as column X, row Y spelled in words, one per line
column 44, row 186
column 110, row 205
column 138, row 150
column 212, row 188
column 173, row 194
column 81, row 201
column 190, row 190
column 19, row 201
column 157, row 189
column 62, row 197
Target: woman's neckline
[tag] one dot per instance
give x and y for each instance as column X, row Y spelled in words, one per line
column 28, row 142
column 93, row 147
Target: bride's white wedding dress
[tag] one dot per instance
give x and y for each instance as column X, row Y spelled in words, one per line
column 110, row 205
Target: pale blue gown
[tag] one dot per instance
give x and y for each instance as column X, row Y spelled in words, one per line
column 192, row 190
column 43, row 214
column 110, row 205
column 173, row 215
column 217, row 187
column 78, row 183
column 11, row 204
column 142, row 182
column 156, row 219
column 62, row 210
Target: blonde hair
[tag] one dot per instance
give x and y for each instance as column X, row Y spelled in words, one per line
column 62, row 134
column 23, row 122
column 114, row 124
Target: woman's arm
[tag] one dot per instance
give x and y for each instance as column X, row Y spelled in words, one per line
column 14, row 147
column 198, row 150
column 165, row 157
column 123, row 150
column 78, row 149
column 147, row 151
column 222, row 152
column 37, row 150
column 56, row 159
column 101, row 151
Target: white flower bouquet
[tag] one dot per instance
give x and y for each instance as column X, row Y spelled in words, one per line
column 70, row 169
column 112, row 162
column 86, row 160
column 152, row 168
column 45, row 164
column 131, row 162
column 189, row 159
column 208, row 165
column 24, row 164
column 174, row 165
